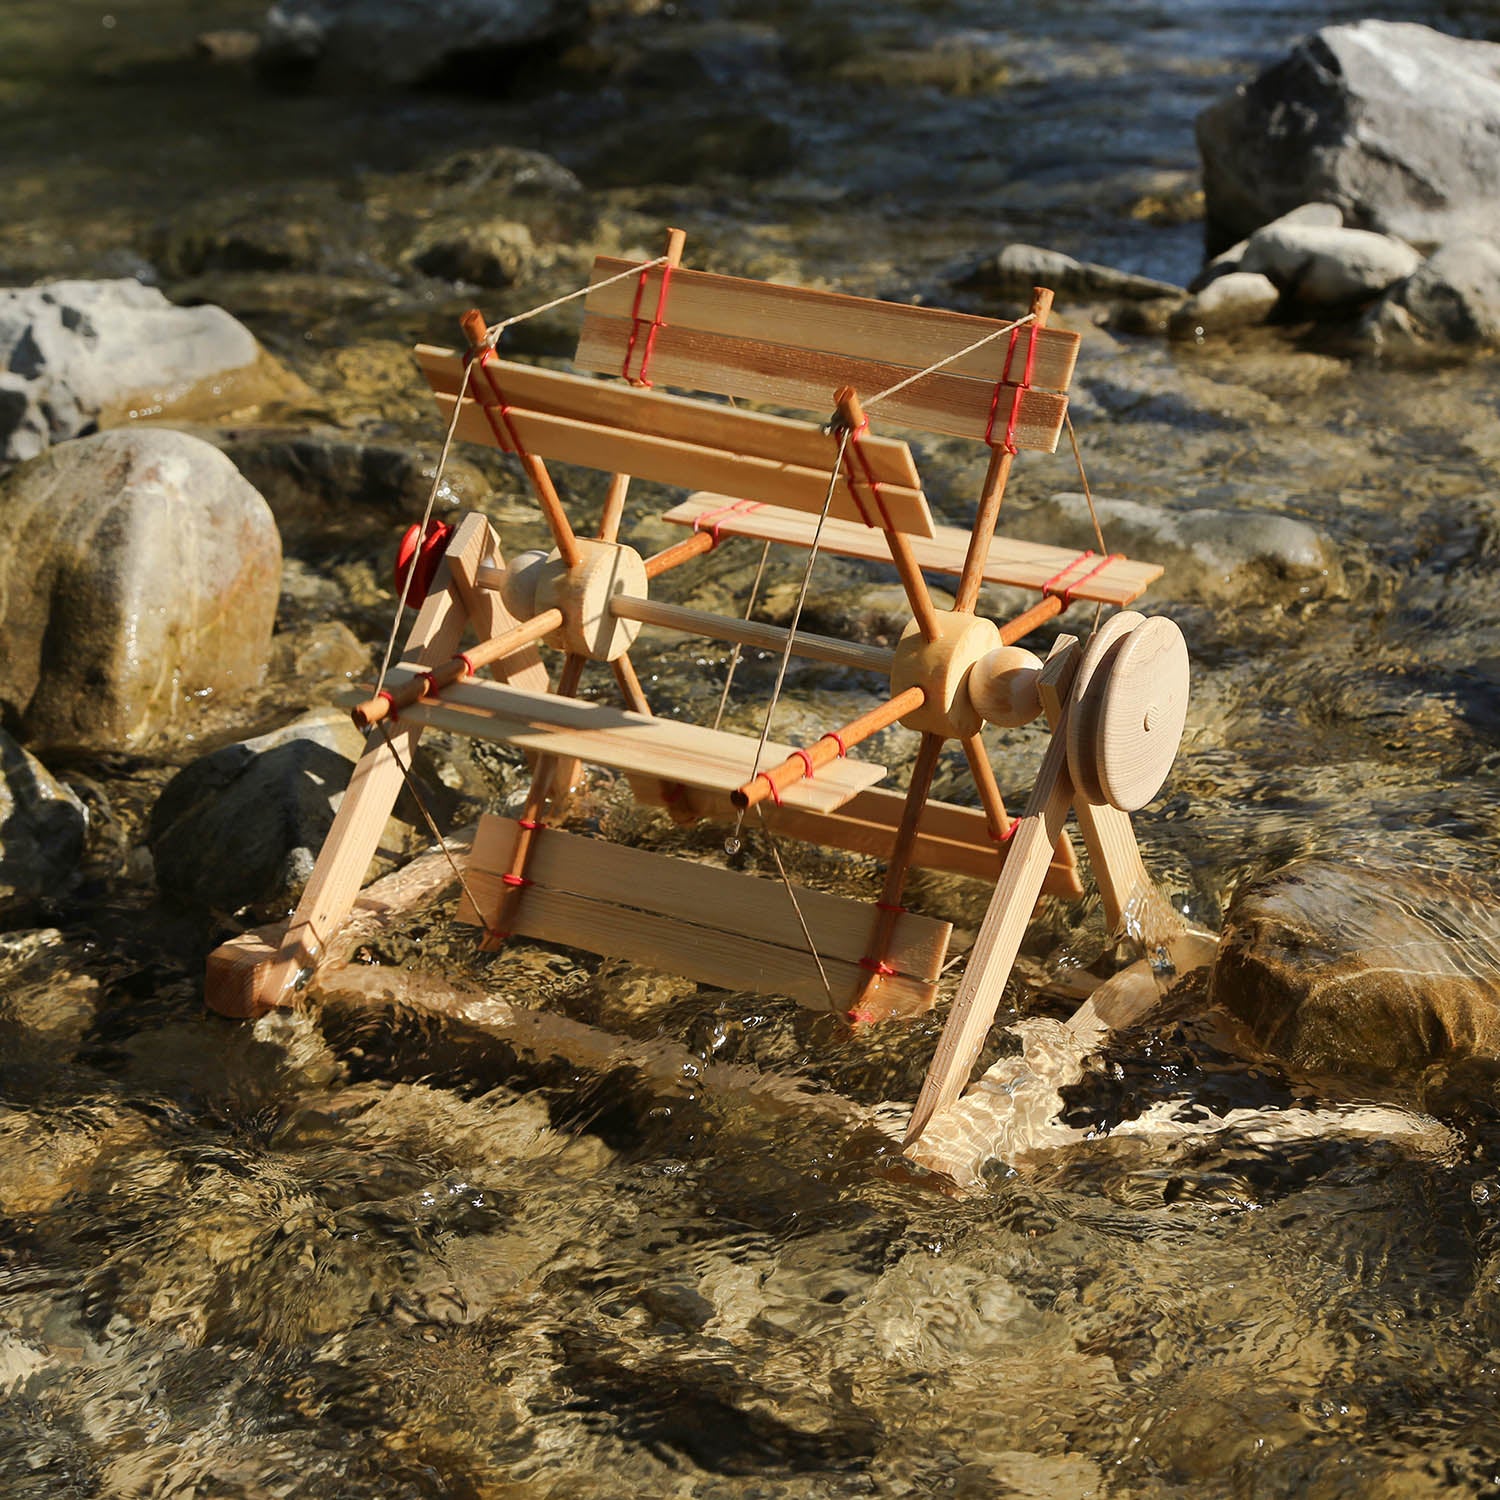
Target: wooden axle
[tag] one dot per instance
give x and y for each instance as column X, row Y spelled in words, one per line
column 804, row 763
column 373, row 710
column 680, row 552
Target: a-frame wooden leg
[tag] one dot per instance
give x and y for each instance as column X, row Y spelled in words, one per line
column 869, row 1005
column 999, row 940
column 246, row 980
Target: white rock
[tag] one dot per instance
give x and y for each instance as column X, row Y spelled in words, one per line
column 1328, row 267
column 1239, row 299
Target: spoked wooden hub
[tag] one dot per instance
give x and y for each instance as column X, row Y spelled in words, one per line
column 1116, row 714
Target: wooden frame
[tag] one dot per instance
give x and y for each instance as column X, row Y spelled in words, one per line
column 777, row 479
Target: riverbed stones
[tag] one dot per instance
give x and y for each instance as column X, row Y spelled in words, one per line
column 1341, row 967
column 138, row 573
column 407, row 41
column 1239, row 299
column 1322, row 268
column 76, row 355
column 1019, row 268
column 1396, row 124
column 42, row 826
column 1452, row 300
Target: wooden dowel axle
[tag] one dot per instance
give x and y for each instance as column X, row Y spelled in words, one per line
column 826, row 750
column 1039, row 613
column 681, row 552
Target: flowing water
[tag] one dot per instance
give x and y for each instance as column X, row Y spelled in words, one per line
column 372, row 1252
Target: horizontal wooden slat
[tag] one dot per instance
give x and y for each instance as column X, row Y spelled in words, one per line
column 833, row 323
column 604, row 735
column 950, row 838
column 755, row 370
column 667, row 461
column 705, row 895
column 1015, row 564
column 786, row 440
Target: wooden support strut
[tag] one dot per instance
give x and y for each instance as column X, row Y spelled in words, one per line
column 851, row 415
column 993, row 492
column 804, row 763
column 389, row 704
column 476, row 330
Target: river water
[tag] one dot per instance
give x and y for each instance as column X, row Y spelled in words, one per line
column 369, row 1252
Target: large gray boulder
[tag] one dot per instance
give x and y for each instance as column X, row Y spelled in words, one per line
column 42, row 826
column 1347, row 967
column 1396, row 124
column 407, row 41
column 138, row 570
column 76, row 355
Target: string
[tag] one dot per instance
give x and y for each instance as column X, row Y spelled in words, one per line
column 791, row 635
column 989, row 338
column 791, row 890
column 734, row 656
column 1088, row 495
column 493, row 332
column 432, row 494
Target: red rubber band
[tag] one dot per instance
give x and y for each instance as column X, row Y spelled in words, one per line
column 838, row 740
column 859, row 1017
column 494, row 934
column 1047, row 588
column 516, row 445
column 876, row 966
column 1005, row 838
column 806, row 760
column 739, row 507
column 463, row 656
column 775, row 793
column 989, row 427
column 514, row 880
column 529, row 823
column 855, row 452
column 430, row 685
column 1015, row 405
column 889, row 906
column 1098, row 567
column 394, row 713
column 636, row 320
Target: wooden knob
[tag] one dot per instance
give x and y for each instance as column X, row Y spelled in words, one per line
column 1141, row 714
column 1003, row 687
column 1085, row 697
column 518, row 587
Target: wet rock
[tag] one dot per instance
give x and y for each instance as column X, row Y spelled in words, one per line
column 46, row 1156
column 1208, row 553
column 1019, row 268
column 42, row 826
column 1451, row 300
column 137, row 571
column 1239, row 299
column 505, row 172
column 407, row 41
column 1305, row 215
column 1395, row 123
column 242, row 825
column 494, row 254
column 1339, row 967
column 46, row 1006
column 1322, row 268
column 226, row 46
column 76, row 355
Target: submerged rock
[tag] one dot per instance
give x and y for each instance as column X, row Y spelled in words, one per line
column 407, row 41
column 1396, row 124
column 42, row 826
column 1019, row 268
column 137, row 570
column 1344, row 967
column 76, row 355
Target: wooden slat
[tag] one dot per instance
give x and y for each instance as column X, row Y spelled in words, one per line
column 835, row 323
column 1015, row 564
column 782, row 376
column 667, row 461
column 711, row 925
column 950, row 838
column 604, row 735
column 613, row 404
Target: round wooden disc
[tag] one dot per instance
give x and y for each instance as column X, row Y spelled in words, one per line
column 1084, row 699
column 1141, row 713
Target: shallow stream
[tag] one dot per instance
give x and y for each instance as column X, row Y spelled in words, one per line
column 374, row 1254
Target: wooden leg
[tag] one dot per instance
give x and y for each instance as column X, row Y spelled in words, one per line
column 1064, row 859
column 236, row 987
column 868, row 1006
column 994, row 952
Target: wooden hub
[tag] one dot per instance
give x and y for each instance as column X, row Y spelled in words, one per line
column 590, row 627
column 941, row 668
column 1003, row 687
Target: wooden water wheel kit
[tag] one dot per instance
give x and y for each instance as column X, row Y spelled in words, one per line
column 1113, row 706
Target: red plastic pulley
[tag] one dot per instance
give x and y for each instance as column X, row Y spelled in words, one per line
column 428, row 548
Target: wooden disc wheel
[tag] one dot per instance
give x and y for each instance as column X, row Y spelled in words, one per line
column 1129, row 707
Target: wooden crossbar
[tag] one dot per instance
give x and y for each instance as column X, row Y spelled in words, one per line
column 701, row 423
column 1026, row 565
column 638, row 744
column 950, row 838
column 708, row 924
column 791, row 345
